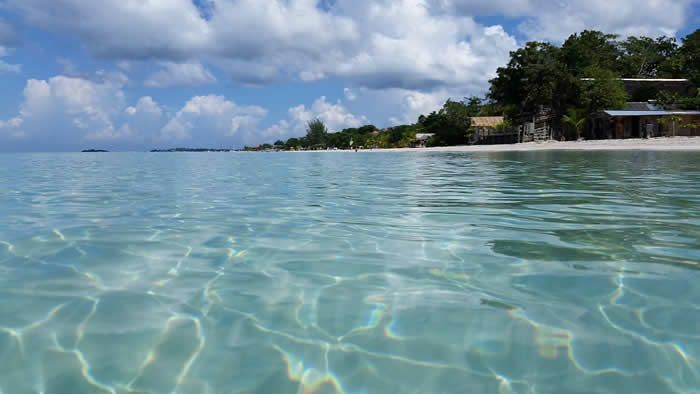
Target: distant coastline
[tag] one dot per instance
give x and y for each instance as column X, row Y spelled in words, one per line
column 691, row 144
column 192, row 150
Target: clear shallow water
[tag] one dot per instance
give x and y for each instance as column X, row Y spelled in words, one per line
column 350, row 273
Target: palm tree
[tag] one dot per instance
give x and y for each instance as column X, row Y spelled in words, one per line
column 575, row 119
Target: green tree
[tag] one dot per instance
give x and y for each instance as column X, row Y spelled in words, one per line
column 279, row 143
column 292, row 143
column 367, row 129
column 316, row 133
column 644, row 57
column 403, row 135
column 602, row 90
column 576, row 119
column 691, row 103
column 671, row 100
column 303, row 142
column 450, row 125
column 690, row 53
column 534, row 76
column 667, row 99
column 339, row 140
column 474, row 105
column 673, row 119
column 590, row 48
column 490, row 108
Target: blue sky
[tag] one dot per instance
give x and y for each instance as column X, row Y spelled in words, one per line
column 142, row 74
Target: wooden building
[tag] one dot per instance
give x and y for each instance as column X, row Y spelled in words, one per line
column 642, row 120
column 421, row 138
column 490, row 130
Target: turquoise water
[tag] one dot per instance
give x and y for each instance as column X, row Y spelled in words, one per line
column 350, row 273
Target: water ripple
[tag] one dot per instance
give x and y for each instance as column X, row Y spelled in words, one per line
column 515, row 272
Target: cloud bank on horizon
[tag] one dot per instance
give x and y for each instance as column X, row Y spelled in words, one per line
column 134, row 75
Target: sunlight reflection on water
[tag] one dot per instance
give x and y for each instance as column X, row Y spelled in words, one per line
column 511, row 272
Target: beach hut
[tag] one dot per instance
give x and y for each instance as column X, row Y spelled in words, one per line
column 491, row 130
column 421, row 138
column 643, row 120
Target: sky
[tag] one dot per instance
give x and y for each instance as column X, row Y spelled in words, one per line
column 135, row 75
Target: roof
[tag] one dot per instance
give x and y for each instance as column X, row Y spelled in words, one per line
column 637, row 113
column 645, row 79
column 486, row 121
column 656, row 79
column 423, row 136
column 685, row 112
column 650, row 113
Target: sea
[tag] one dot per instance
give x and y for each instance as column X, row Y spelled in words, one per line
column 350, row 272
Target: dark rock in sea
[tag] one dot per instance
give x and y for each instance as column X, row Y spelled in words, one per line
column 94, row 150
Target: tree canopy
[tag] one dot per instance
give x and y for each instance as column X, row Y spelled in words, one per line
column 585, row 72
column 644, row 57
column 690, row 57
column 450, row 124
column 316, row 132
column 589, row 48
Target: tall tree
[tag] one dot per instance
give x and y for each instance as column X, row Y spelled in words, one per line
column 603, row 90
column 316, row 132
column 530, row 78
column 590, row 48
column 644, row 57
column 474, row 104
column 690, row 52
column 450, row 125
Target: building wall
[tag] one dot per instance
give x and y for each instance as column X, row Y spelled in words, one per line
column 641, row 127
column 486, row 135
column 684, row 131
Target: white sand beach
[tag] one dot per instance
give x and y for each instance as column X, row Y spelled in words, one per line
column 651, row 144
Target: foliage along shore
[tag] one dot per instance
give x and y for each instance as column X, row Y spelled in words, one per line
column 580, row 77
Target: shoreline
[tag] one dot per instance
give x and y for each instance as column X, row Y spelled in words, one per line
column 689, row 144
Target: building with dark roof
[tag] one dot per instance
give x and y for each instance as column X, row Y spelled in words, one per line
column 643, row 120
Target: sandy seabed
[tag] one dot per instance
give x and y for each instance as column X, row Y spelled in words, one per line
column 651, row 144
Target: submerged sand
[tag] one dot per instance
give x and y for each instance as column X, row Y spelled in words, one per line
column 651, row 144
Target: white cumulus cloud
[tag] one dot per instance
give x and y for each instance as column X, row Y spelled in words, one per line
column 399, row 43
column 334, row 115
column 389, row 44
column 145, row 105
column 75, row 101
column 547, row 20
column 213, row 121
column 67, row 112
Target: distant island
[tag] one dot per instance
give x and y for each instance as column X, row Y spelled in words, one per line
column 191, row 150
column 93, row 150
